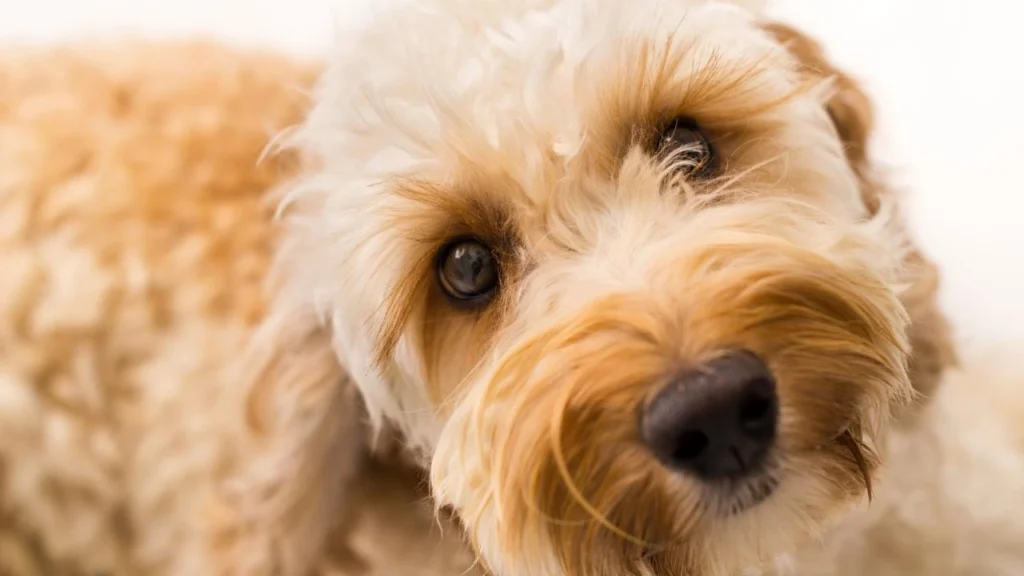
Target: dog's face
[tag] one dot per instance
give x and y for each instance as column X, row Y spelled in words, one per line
column 610, row 266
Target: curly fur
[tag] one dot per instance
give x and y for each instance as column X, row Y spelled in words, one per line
column 126, row 170
column 184, row 379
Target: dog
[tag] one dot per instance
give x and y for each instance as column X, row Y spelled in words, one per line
column 621, row 279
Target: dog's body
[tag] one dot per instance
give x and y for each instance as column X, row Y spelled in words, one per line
column 135, row 241
column 173, row 403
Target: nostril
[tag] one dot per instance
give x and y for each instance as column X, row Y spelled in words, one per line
column 756, row 411
column 690, row 445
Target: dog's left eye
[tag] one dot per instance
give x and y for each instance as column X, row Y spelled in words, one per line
column 688, row 147
column 467, row 271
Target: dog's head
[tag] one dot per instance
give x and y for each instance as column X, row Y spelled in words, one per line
column 621, row 271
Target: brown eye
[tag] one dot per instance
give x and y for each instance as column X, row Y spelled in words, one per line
column 688, row 148
column 467, row 271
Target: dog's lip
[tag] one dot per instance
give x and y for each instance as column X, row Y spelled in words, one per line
column 758, row 492
column 764, row 490
column 750, row 492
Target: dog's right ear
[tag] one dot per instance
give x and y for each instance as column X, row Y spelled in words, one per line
column 297, row 448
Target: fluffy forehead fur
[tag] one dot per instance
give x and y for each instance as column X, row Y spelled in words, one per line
column 527, row 126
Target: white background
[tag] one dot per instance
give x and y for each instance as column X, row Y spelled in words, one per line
column 947, row 79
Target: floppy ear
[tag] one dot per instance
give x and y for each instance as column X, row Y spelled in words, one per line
column 297, row 448
column 852, row 113
column 848, row 105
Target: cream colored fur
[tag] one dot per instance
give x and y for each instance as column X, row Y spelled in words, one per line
column 189, row 385
column 950, row 502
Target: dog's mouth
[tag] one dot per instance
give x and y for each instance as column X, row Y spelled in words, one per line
column 734, row 497
column 760, row 491
column 752, row 493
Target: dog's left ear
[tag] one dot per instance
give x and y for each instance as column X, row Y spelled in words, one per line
column 848, row 105
column 852, row 112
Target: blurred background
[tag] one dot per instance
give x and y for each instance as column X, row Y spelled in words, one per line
column 947, row 76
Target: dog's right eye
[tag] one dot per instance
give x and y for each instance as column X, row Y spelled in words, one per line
column 467, row 271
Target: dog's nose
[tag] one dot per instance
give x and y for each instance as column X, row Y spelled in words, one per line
column 717, row 421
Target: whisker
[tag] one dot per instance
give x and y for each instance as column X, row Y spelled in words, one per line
column 574, row 491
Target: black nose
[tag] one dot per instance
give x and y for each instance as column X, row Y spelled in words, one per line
column 717, row 421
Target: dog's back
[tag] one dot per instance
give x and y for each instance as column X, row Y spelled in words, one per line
column 134, row 233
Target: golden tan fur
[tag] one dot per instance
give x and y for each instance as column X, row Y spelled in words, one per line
column 183, row 378
column 127, row 169
column 122, row 175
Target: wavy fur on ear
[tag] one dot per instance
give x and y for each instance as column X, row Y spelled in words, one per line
column 848, row 104
column 851, row 110
column 288, row 491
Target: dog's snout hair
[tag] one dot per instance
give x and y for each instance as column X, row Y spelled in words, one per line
column 569, row 474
